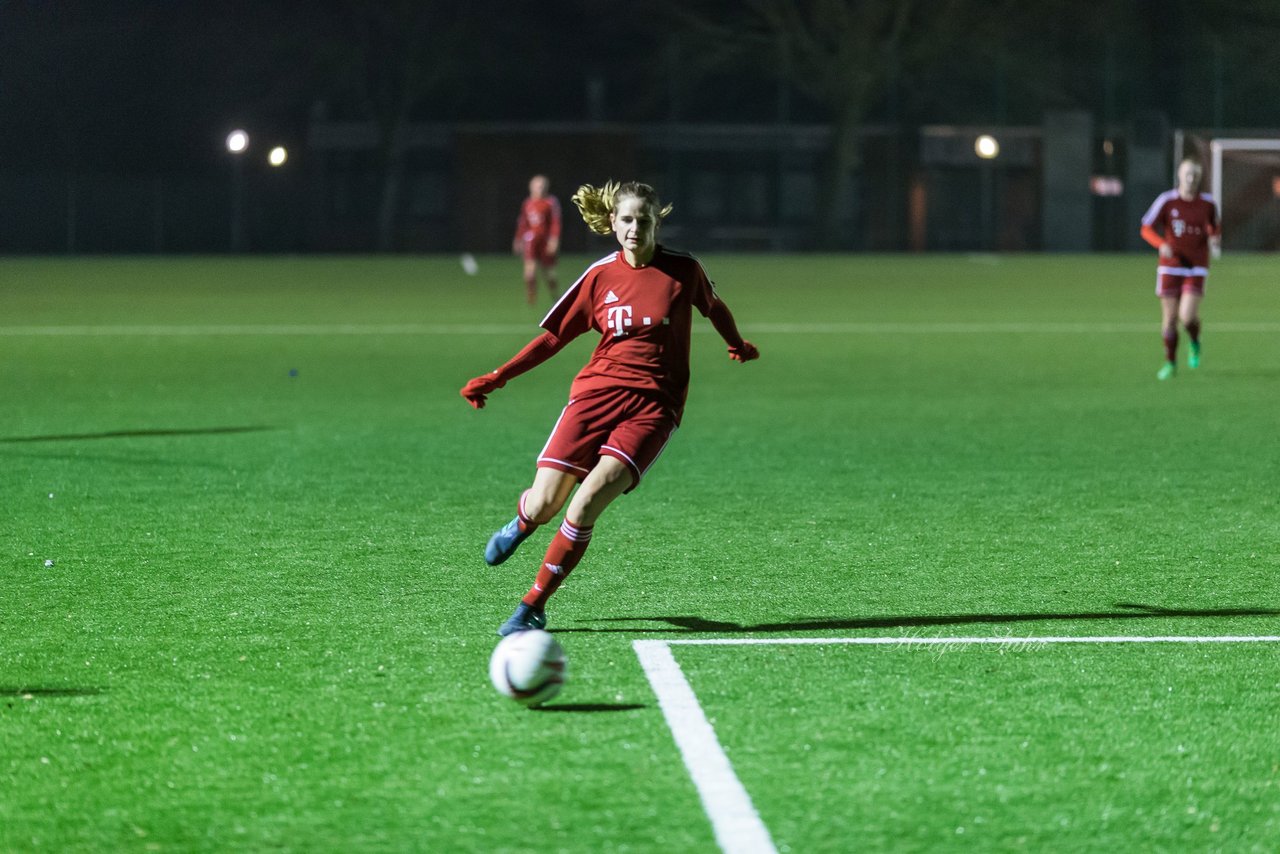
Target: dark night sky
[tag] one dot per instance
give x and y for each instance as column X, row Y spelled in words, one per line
column 132, row 85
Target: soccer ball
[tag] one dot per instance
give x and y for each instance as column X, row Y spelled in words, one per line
column 469, row 264
column 528, row 667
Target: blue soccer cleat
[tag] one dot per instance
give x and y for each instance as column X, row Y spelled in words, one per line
column 525, row 618
column 504, row 543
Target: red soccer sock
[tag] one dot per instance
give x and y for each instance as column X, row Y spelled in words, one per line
column 566, row 549
column 1170, row 345
column 527, row 525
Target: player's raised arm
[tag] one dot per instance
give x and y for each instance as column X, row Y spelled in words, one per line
column 740, row 349
column 714, row 309
column 533, row 354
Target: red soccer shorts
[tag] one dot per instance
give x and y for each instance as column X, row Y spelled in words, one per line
column 536, row 250
column 619, row 423
column 1175, row 284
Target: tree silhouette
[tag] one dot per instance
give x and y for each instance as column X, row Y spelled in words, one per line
column 841, row 54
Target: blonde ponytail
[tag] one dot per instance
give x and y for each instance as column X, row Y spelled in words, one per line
column 597, row 203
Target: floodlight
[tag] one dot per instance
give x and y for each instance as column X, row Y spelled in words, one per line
column 986, row 147
column 237, row 141
column 278, row 156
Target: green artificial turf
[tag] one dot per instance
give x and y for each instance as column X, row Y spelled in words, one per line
column 1026, row 746
column 266, row 624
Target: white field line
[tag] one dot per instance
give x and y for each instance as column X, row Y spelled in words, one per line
column 737, row 825
column 961, row 641
column 734, row 819
column 958, row 328
column 426, row 329
column 325, row 329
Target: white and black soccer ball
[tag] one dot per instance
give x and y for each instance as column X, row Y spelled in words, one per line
column 528, row 667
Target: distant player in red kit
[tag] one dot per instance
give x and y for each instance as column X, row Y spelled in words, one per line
column 537, row 237
column 1183, row 224
column 627, row 402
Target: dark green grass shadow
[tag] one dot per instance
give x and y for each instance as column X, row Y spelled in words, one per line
column 1126, row 611
column 33, row 692
column 136, row 434
column 45, row 452
column 590, row 707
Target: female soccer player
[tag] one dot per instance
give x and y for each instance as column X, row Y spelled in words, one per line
column 1182, row 224
column 627, row 401
column 537, row 237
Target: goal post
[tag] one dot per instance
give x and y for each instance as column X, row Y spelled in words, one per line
column 1244, row 177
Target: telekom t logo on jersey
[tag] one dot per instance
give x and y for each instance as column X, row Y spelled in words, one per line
column 619, row 319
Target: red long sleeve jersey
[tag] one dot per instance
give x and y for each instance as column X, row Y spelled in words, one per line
column 644, row 315
column 1186, row 227
column 539, row 219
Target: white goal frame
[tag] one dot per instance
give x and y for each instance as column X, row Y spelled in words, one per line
column 1218, row 146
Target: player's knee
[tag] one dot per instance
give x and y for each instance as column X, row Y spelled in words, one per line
column 585, row 499
column 540, row 506
column 588, row 503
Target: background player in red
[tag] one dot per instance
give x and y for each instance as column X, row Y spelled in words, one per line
column 627, row 402
column 537, row 237
column 1183, row 225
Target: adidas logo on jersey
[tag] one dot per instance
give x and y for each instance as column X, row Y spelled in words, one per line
column 610, row 298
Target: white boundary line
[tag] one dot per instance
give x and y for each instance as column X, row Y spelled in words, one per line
column 737, row 826
column 734, row 819
column 340, row 329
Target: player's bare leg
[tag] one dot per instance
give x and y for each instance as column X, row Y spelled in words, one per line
column 553, row 284
column 609, row 479
column 1169, row 332
column 537, row 505
column 550, row 490
column 530, row 281
column 1189, row 314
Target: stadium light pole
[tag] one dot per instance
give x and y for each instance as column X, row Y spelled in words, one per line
column 987, row 147
column 237, row 144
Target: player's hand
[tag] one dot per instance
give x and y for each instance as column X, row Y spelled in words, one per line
column 1215, row 248
column 553, row 245
column 745, row 353
column 1166, row 251
column 477, row 389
